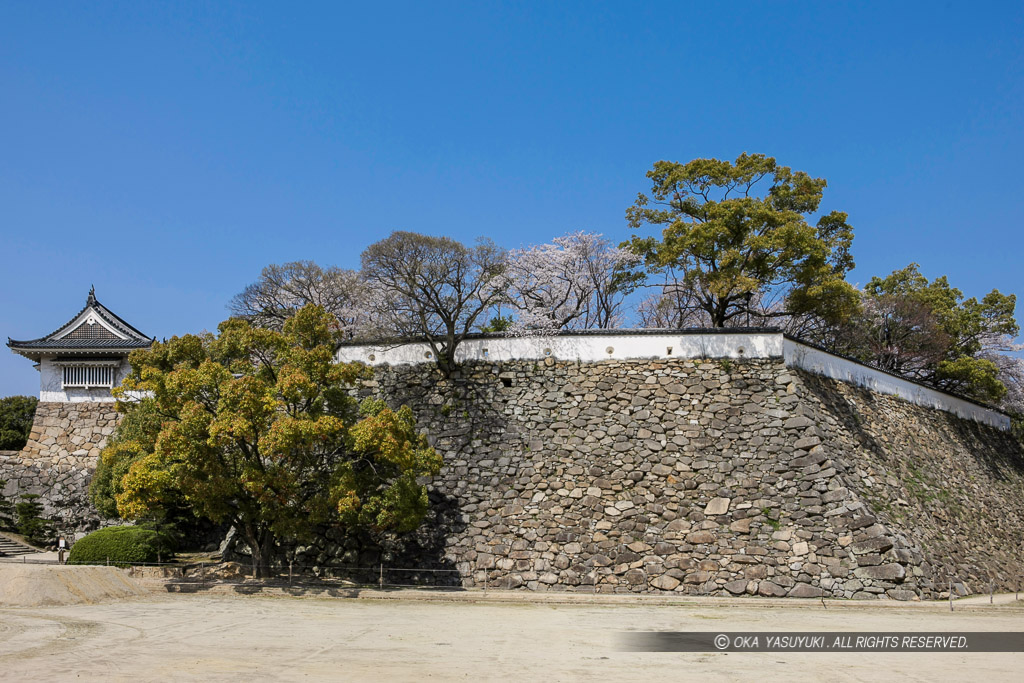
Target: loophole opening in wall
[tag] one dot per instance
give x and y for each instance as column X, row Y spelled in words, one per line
column 506, row 381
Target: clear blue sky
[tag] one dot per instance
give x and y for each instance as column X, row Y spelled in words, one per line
column 167, row 153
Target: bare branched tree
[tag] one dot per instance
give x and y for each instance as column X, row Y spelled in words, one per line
column 282, row 290
column 676, row 305
column 433, row 287
column 897, row 334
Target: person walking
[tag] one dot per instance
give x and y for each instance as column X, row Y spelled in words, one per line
column 62, row 548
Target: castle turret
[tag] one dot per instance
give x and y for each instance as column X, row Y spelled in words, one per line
column 83, row 359
column 79, row 363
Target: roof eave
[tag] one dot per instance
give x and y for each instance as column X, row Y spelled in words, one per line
column 24, row 349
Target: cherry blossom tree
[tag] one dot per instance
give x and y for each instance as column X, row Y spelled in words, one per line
column 578, row 281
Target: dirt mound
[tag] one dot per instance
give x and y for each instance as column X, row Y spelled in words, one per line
column 33, row 585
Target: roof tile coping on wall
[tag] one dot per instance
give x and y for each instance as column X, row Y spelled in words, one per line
column 729, row 343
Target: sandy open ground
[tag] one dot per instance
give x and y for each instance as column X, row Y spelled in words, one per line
column 225, row 637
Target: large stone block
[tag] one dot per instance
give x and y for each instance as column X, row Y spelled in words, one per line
column 882, row 572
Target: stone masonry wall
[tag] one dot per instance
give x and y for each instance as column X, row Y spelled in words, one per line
column 58, row 461
column 702, row 477
column 699, row 477
column 953, row 487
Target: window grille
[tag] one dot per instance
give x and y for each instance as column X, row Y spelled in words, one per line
column 88, row 376
column 94, row 331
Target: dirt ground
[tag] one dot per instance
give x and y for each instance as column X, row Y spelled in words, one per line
column 223, row 637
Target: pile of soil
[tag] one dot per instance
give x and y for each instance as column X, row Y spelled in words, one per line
column 34, row 585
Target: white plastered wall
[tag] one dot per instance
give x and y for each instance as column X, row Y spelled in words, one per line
column 582, row 348
column 823, row 363
column 51, row 391
column 596, row 347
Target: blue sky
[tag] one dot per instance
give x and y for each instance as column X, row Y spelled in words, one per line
column 167, row 153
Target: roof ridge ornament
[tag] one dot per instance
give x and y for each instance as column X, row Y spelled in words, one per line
column 91, row 301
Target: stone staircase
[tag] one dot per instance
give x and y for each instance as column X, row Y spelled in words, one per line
column 10, row 548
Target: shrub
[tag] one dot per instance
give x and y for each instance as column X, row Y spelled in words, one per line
column 168, row 536
column 120, row 545
column 37, row 529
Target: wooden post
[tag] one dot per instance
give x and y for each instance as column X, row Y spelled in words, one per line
column 951, row 595
column 289, row 572
column 991, row 591
column 382, row 576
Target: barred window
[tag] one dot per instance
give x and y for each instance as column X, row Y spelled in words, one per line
column 88, row 376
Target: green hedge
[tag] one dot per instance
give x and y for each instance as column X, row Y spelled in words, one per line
column 121, row 545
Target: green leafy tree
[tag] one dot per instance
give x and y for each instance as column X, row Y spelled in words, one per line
column 134, row 439
column 497, row 324
column 16, row 414
column 31, row 523
column 736, row 249
column 927, row 331
column 6, row 508
column 257, row 427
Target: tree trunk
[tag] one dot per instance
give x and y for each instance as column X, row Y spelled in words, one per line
column 449, row 352
column 262, row 546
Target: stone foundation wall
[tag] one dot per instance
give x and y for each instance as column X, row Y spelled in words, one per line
column 718, row 477
column 951, row 486
column 58, row 461
column 722, row 477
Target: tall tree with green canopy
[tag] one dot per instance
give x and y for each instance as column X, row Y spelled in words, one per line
column 735, row 237
column 929, row 332
column 257, row 427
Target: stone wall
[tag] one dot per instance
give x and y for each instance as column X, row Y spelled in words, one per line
column 952, row 487
column 725, row 477
column 58, row 461
column 701, row 477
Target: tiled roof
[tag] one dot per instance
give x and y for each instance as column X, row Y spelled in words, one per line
column 632, row 332
column 135, row 340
